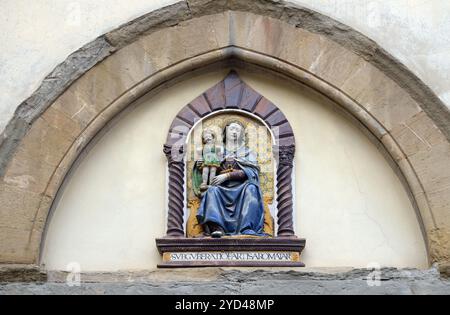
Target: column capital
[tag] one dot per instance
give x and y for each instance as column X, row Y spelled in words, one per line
column 284, row 155
column 174, row 153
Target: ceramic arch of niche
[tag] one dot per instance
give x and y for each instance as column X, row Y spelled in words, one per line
column 230, row 94
column 62, row 124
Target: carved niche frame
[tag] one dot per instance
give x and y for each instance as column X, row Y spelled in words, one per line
column 230, row 94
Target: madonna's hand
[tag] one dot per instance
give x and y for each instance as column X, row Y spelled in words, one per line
column 216, row 181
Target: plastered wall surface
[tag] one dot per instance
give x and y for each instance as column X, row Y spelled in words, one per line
column 349, row 204
column 38, row 35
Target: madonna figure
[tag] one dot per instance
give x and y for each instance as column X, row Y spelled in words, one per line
column 232, row 205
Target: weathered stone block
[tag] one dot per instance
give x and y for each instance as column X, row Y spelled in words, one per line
column 159, row 46
column 17, row 208
column 41, row 151
column 432, row 167
column 76, row 108
column 61, row 122
column 439, row 241
column 334, row 63
column 28, row 174
column 381, row 96
column 14, row 247
column 45, row 143
column 246, row 33
column 99, row 88
column 417, row 134
column 130, row 65
column 303, row 48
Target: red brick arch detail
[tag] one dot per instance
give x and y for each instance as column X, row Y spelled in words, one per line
column 231, row 93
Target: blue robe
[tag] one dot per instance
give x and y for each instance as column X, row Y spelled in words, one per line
column 236, row 206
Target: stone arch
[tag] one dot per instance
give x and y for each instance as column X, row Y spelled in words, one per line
column 231, row 93
column 53, row 126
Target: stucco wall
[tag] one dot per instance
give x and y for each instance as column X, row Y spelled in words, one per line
column 350, row 205
column 38, row 35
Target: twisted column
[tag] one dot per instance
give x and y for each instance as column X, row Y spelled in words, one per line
column 175, row 158
column 285, row 156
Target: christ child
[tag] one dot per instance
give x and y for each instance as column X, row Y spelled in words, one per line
column 212, row 157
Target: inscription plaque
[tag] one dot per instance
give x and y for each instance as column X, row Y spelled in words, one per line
column 246, row 252
column 232, row 257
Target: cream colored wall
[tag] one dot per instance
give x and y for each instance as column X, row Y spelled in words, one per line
column 350, row 206
column 37, row 35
